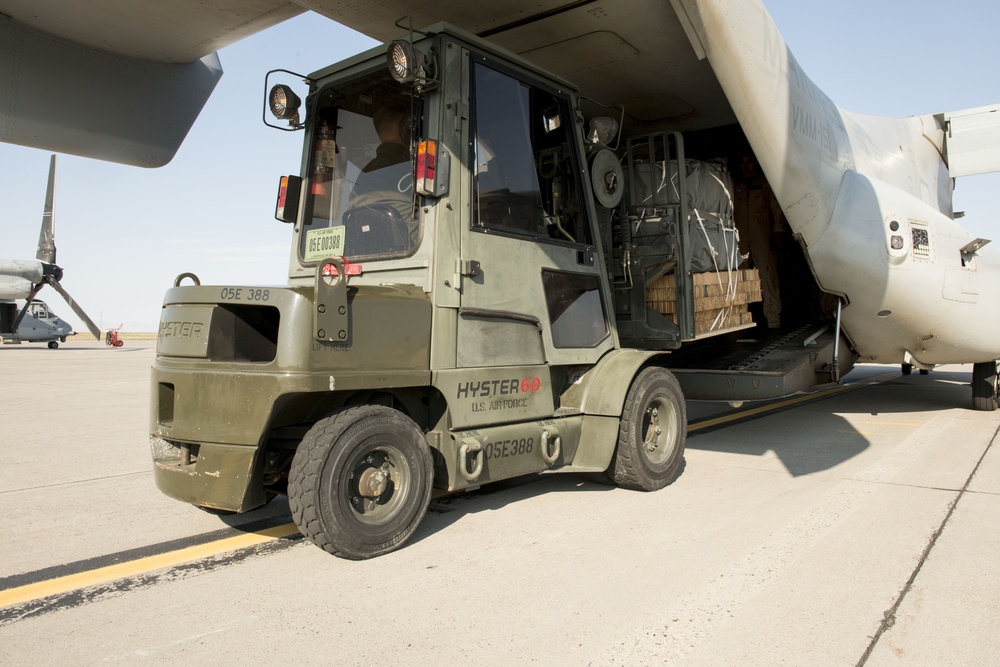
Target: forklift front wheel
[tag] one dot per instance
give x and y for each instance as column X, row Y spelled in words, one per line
column 651, row 435
column 360, row 481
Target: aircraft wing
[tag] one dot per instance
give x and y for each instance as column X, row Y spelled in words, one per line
column 123, row 80
column 117, row 80
column 972, row 140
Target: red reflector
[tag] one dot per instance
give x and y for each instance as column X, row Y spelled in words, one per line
column 349, row 269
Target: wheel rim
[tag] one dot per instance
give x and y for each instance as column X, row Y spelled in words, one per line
column 378, row 481
column 659, row 429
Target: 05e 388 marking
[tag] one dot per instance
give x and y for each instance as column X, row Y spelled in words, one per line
column 506, row 448
column 244, row 294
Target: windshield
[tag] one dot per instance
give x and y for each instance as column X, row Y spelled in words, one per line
column 360, row 202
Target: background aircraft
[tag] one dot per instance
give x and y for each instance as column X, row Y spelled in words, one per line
column 23, row 278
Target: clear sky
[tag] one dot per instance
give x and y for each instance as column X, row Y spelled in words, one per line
column 124, row 233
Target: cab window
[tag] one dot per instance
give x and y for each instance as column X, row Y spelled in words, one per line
column 360, row 201
column 526, row 181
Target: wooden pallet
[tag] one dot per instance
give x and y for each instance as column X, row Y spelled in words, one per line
column 720, row 299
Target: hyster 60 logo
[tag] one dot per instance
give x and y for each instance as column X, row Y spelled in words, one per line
column 487, row 388
column 181, row 329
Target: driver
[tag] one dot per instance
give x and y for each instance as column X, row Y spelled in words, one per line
column 387, row 181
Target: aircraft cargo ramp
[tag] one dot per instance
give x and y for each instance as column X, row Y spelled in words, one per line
column 761, row 363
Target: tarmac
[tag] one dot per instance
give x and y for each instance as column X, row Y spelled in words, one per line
column 857, row 527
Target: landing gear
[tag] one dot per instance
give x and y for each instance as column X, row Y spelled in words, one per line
column 651, row 435
column 360, row 482
column 985, row 385
column 53, row 345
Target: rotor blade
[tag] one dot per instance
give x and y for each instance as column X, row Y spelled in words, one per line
column 47, row 237
column 76, row 309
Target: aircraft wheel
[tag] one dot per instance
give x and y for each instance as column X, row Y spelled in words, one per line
column 360, row 482
column 53, row 345
column 985, row 385
column 651, row 434
column 906, row 369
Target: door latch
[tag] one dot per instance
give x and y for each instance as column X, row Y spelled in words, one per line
column 468, row 267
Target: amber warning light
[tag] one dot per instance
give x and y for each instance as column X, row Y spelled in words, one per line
column 289, row 190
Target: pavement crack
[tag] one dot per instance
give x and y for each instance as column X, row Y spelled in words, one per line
column 889, row 616
column 71, row 482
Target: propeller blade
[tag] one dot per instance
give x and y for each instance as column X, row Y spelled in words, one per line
column 47, row 236
column 76, row 308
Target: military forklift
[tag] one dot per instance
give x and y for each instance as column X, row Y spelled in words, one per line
column 467, row 302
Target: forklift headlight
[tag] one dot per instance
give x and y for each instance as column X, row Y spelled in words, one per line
column 284, row 103
column 404, row 61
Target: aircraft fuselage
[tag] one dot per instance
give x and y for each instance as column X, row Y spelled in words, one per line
column 869, row 198
column 39, row 325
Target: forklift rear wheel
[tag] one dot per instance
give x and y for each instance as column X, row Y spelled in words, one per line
column 651, row 435
column 360, row 482
column 985, row 385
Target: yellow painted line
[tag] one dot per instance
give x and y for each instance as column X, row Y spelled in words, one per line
column 770, row 407
column 103, row 575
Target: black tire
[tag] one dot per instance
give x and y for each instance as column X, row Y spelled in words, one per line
column 906, row 369
column 924, row 371
column 652, row 431
column 53, row 345
column 369, row 446
column 985, row 386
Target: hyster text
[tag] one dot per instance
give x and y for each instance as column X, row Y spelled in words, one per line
column 487, row 388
